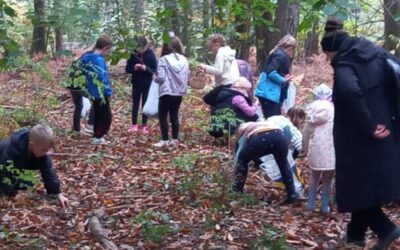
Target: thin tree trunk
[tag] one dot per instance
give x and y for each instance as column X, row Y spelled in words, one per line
column 59, row 39
column 138, row 15
column 392, row 28
column 243, row 29
column 311, row 42
column 173, row 6
column 5, row 30
column 187, row 27
column 58, row 30
column 263, row 43
column 39, row 43
column 206, row 14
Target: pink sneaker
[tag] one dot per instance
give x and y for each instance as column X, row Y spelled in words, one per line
column 134, row 128
column 144, row 130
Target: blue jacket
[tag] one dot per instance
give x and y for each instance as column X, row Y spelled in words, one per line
column 98, row 80
column 271, row 83
column 270, row 86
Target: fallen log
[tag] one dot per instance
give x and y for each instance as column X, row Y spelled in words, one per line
column 100, row 234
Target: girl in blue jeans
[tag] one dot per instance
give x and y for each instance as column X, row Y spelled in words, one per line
column 257, row 139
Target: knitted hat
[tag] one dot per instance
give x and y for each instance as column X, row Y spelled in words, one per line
column 334, row 35
column 322, row 92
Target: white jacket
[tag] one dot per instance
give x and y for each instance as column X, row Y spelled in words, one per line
column 172, row 75
column 282, row 122
column 318, row 135
column 225, row 68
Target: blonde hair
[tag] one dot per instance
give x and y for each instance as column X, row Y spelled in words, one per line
column 285, row 42
column 42, row 134
column 216, row 38
column 242, row 83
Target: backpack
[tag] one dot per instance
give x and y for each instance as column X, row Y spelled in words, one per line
column 76, row 76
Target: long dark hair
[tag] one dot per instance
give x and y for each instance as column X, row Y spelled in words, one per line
column 173, row 46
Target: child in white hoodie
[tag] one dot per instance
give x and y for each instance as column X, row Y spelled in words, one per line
column 318, row 143
column 172, row 75
column 225, row 68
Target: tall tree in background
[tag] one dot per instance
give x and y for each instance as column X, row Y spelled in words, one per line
column 187, row 25
column 138, row 18
column 392, row 27
column 311, row 42
column 58, row 5
column 287, row 15
column 172, row 5
column 263, row 35
column 206, row 14
column 243, row 21
column 39, row 43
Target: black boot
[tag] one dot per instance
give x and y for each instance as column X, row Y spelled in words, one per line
column 385, row 242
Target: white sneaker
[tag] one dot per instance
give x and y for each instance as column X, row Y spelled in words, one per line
column 161, row 144
column 88, row 130
column 174, row 143
column 99, row 141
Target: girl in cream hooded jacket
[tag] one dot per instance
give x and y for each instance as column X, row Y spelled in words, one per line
column 318, row 144
column 225, row 68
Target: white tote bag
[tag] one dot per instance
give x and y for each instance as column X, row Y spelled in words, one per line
column 271, row 170
column 86, row 106
column 290, row 101
column 151, row 106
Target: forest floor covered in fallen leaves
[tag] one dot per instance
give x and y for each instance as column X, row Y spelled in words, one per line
column 147, row 198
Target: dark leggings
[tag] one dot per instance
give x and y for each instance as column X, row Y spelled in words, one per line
column 78, row 103
column 272, row 142
column 373, row 218
column 102, row 118
column 139, row 90
column 169, row 105
column 269, row 108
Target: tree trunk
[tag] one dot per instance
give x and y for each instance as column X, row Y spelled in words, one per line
column 243, row 42
column 58, row 5
column 311, row 42
column 263, row 41
column 173, row 6
column 392, row 28
column 39, row 43
column 187, row 28
column 287, row 16
column 59, row 39
column 138, row 15
column 206, row 14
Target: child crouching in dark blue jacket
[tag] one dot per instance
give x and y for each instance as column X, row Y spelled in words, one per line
column 28, row 149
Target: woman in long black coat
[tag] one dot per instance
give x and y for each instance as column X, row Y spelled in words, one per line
column 366, row 135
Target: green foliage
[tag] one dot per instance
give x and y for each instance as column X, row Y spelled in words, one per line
column 9, row 47
column 271, row 239
column 154, row 225
column 76, row 78
column 22, row 177
column 221, row 118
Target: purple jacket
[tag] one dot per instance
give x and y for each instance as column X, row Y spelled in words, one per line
column 241, row 103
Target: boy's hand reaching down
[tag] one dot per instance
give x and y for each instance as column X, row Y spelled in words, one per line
column 63, row 200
